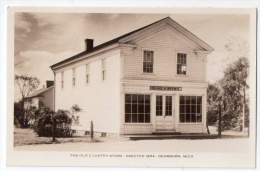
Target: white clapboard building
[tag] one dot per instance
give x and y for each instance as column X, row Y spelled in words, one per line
column 153, row 79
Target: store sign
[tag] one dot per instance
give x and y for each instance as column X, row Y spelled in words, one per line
column 163, row 88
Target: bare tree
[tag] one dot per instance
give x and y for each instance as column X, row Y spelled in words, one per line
column 26, row 84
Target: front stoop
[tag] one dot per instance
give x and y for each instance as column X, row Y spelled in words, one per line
column 180, row 136
column 162, row 132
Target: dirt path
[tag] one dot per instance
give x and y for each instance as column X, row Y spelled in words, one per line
column 216, row 145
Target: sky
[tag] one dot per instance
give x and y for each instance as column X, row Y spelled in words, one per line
column 42, row 39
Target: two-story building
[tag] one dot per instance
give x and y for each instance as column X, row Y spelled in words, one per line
column 42, row 97
column 153, row 79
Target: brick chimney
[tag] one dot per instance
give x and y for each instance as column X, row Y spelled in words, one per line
column 89, row 43
column 49, row 83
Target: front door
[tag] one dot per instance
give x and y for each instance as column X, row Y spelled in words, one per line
column 164, row 112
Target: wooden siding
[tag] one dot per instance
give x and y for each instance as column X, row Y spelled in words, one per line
column 99, row 99
column 165, row 47
column 47, row 99
column 191, row 128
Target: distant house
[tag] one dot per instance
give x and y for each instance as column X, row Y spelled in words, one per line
column 42, row 97
column 151, row 80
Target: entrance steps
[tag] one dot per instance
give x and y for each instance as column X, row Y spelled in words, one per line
column 166, row 132
column 163, row 137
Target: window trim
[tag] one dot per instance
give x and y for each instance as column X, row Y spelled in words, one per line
column 154, row 62
column 187, row 63
column 62, row 80
column 73, row 76
column 102, row 70
column 87, row 66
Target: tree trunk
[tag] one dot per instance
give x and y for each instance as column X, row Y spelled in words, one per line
column 219, row 122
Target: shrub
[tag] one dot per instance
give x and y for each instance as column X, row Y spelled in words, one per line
column 42, row 119
column 62, row 123
column 43, row 122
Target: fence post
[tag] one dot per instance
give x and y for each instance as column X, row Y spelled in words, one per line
column 53, row 129
column 91, row 129
column 219, row 122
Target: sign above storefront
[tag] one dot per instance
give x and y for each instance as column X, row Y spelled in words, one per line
column 163, row 88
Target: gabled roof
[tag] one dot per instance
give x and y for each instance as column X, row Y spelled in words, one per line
column 125, row 36
column 39, row 93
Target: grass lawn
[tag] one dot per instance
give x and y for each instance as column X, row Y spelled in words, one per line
column 29, row 137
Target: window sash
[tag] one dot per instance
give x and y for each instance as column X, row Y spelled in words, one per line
column 87, row 73
column 137, row 108
column 190, row 109
column 159, row 105
column 148, row 61
column 74, row 77
column 181, row 63
column 104, row 75
column 103, row 69
column 62, row 80
column 168, row 106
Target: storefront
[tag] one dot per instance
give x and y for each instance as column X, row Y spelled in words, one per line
column 156, row 108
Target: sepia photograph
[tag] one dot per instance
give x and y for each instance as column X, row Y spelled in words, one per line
column 164, row 88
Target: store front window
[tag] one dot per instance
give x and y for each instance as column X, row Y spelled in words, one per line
column 190, row 109
column 137, row 108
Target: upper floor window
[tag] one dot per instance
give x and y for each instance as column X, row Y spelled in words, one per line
column 74, row 77
column 148, row 61
column 62, row 80
column 87, row 74
column 103, row 69
column 181, row 64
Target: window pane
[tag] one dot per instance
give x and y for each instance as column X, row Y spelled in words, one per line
column 188, row 118
column 128, row 98
column 128, row 118
column 134, row 108
column 128, row 108
column 140, row 118
column 199, row 109
column 193, row 118
column 187, row 108
column 199, row 118
column 182, row 118
column 140, row 108
column 134, row 118
column 193, row 108
column 147, row 99
column 168, row 105
column 193, row 100
column 199, row 100
column 147, row 108
column 187, row 100
column 134, row 98
column 147, row 118
column 182, row 98
column 140, row 98
column 182, row 108
column 158, row 105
